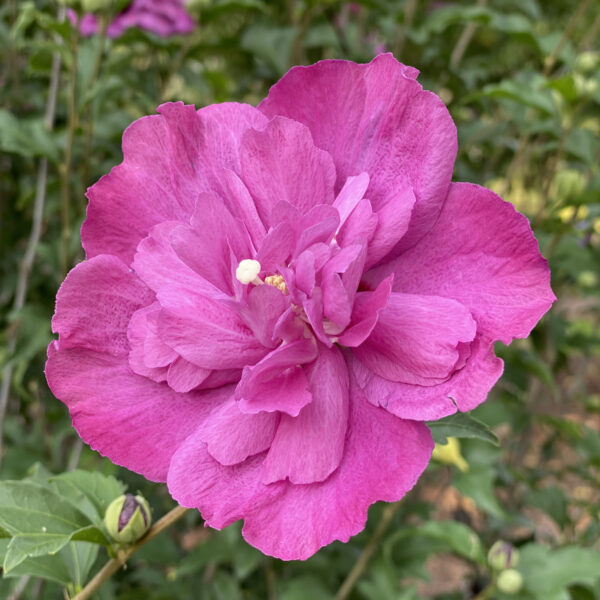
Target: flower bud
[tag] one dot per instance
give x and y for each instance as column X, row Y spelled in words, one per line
column 503, row 555
column 510, row 581
column 127, row 518
column 449, row 454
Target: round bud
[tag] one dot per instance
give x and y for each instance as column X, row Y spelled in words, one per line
column 503, row 555
column 127, row 518
column 510, row 581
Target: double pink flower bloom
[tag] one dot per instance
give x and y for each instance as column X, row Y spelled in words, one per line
column 275, row 299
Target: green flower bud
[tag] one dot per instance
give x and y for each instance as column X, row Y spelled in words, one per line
column 127, row 518
column 510, row 581
column 503, row 555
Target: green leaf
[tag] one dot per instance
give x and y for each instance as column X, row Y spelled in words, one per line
column 71, row 565
column 461, row 425
column 548, row 572
column 27, row 137
column 478, row 484
column 459, row 538
column 90, row 492
column 40, row 522
column 271, row 44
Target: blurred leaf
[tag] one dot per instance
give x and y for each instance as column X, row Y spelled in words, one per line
column 461, row 425
column 27, row 137
column 547, row 572
column 271, row 44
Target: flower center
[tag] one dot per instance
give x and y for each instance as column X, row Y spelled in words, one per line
column 247, row 272
column 278, row 282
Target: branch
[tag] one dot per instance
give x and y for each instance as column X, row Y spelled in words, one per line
column 114, row 564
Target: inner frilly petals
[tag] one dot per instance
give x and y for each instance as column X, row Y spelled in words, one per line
column 265, row 306
column 208, row 333
column 207, row 245
column 278, row 382
column 232, row 436
column 289, row 327
column 276, row 247
column 305, row 272
column 365, row 312
column 416, row 337
column 317, row 226
column 137, row 333
column 360, row 225
column 337, row 307
column 281, row 162
column 309, row 447
column 313, row 309
column 350, row 195
column 393, row 217
column 157, row 264
column 183, row 376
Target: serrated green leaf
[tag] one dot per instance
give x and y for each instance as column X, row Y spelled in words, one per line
column 461, row 425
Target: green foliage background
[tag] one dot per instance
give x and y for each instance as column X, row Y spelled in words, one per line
column 522, row 81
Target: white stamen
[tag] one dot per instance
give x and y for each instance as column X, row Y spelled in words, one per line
column 247, row 272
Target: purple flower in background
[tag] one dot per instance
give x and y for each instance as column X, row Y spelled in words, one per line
column 162, row 17
column 275, row 299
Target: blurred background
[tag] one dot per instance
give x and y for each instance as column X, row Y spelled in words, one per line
column 521, row 79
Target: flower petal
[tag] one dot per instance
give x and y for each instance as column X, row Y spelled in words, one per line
column 483, row 254
column 168, row 159
column 375, row 118
column 416, row 338
column 232, row 436
column 282, row 163
column 383, row 458
column 95, row 303
column 278, row 382
column 309, row 447
column 465, row 390
column 132, row 420
column 207, row 332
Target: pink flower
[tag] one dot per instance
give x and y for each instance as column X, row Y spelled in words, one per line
column 162, row 17
column 275, row 299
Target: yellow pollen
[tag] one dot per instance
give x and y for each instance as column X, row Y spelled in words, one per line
column 278, row 282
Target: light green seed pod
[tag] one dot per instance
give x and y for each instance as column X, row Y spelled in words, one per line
column 127, row 518
column 510, row 581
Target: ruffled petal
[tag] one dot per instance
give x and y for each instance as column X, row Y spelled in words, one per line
column 281, row 163
column 278, row 381
column 483, row 254
column 464, row 391
column 375, row 118
column 383, row 458
column 416, row 339
column 95, row 303
column 132, row 420
column 232, row 436
column 206, row 332
column 168, row 160
column 309, row 447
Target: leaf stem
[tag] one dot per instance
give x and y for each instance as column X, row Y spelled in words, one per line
column 360, row 565
column 114, row 564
